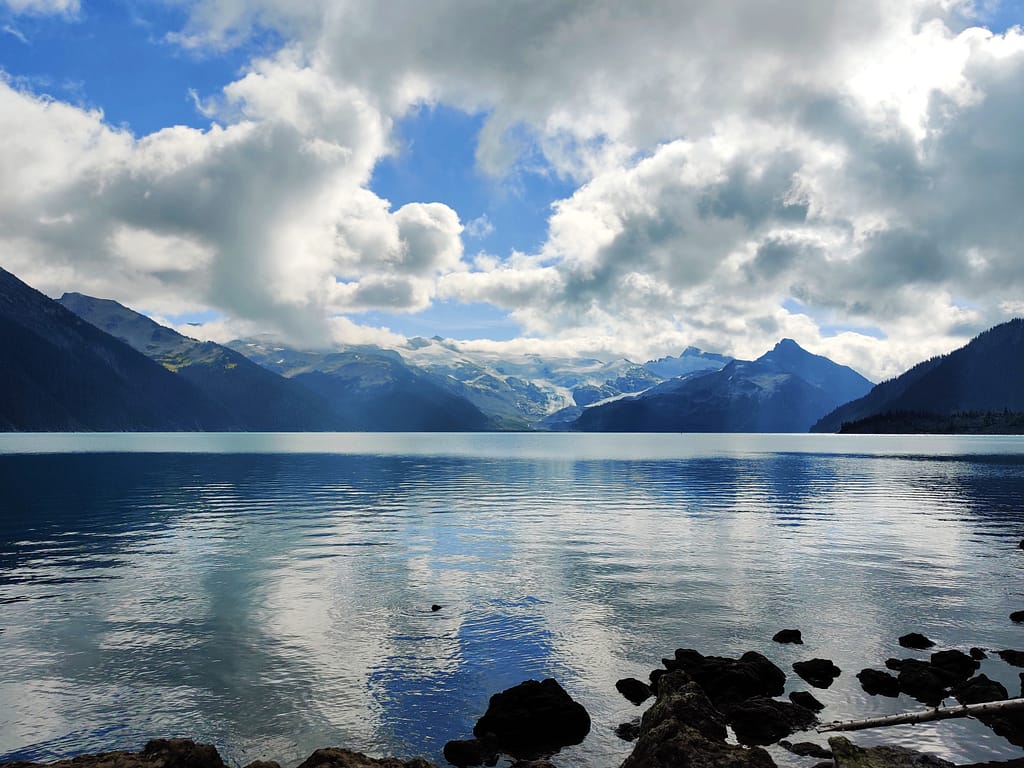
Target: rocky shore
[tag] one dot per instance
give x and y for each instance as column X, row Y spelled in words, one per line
column 707, row 712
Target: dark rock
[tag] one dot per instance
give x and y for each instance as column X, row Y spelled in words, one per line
column 924, row 682
column 344, row 758
column 878, row 683
column 915, row 640
column 806, row 749
column 788, row 636
column 674, row 745
column 729, row 680
column 848, row 755
column 683, row 728
column 1009, row 725
column 1013, row 658
column 635, row 691
column 680, row 699
column 1021, row 675
column 533, row 719
column 806, row 700
column 764, row 721
column 817, row 672
column 628, row 731
column 656, row 675
column 532, row 764
column 158, row 753
column 466, row 752
column 978, row 654
column 957, row 663
column 980, row 689
column 897, row 664
column 263, row 764
column 670, row 665
column 824, row 764
column 436, row 607
column 1017, row 617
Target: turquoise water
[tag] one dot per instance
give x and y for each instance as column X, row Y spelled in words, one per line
column 271, row 593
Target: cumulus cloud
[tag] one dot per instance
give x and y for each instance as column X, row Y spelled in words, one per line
column 862, row 159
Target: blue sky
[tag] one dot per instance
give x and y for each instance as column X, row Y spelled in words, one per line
column 559, row 178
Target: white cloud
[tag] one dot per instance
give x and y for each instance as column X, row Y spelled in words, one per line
column 43, row 7
column 861, row 158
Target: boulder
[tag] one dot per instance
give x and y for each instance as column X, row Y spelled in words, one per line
column 674, row 745
column 878, row 683
column 788, row 636
column 344, row 758
column 916, row 641
column 957, row 663
column 1011, row 657
column 978, row 690
column 635, row 691
column 729, row 680
column 806, row 749
column 764, row 721
column 1017, row 617
column 263, row 764
column 806, row 700
column 533, row 719
column 682, row 700
column 849, row 755
column 683, row 728
column 817, row 672
column 469, row 752
column 978, row 654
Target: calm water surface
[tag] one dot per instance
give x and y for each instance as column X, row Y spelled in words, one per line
column 271, row 593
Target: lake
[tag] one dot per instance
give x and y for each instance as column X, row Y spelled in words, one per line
column 271, row 594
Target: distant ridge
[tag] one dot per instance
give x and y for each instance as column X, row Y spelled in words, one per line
column 987, row 374
column 63, row 374
column 257, row 399
column 785, row 390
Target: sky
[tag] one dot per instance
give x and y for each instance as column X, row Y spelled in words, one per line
column 595, row 177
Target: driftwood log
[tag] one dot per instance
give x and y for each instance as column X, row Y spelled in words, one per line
column 924, row 715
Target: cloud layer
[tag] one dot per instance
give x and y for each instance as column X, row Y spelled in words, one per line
column 742, row 175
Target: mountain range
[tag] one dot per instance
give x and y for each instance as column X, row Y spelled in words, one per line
column 82, row 363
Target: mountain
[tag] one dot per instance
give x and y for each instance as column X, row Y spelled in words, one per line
column 257, row 399
column 985, row 375
column 371, row 388
column 530, row 391
column 61, row 373
column 785, row 390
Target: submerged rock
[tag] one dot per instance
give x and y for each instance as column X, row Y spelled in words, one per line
column 817, row 672
column 628, row 731
column 980, row 689
column 806, row 700
column 764, row 721
column 848, row 755
column 788, row 636
column 635, row 691
column 1017, row 617
column 878, row 683
column 533, row 719
column 978, row 654
column 806, row 749
column 916, row 641
column 957, row 663
column 922, row 681
column 1011, row 657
